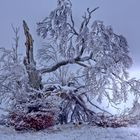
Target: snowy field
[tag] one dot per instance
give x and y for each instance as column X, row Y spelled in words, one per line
column 74, row 133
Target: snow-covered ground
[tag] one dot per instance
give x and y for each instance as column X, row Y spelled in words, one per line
column 74, row 133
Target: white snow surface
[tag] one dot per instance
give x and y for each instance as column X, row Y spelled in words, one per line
column 71, row 132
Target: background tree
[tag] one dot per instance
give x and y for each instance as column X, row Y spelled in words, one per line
column 12, row 74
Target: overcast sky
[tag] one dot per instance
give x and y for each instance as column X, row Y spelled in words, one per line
column 122, row 15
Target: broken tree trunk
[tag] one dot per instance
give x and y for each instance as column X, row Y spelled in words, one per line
column 29, row 62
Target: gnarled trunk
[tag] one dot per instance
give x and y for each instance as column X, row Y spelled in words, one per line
column 29, row 62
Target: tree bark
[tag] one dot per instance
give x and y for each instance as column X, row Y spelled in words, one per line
column 29, row 62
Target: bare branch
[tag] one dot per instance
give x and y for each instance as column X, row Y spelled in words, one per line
column 16, row 40
column 72, row 28
column 87, row 19
column 76, row 60
column 96, row 105
column 89, row 15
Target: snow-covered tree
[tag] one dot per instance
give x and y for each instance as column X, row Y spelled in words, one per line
column 13, row 76
column 100, row 56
